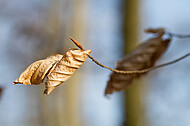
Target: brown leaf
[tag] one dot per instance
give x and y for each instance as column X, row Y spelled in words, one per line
column 144, row 56
column 37, row 71
column 57, row 68
column 63, row 70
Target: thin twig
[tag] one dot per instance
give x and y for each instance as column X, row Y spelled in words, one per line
column 178, row 35
column 139, row 71
column 136, row 71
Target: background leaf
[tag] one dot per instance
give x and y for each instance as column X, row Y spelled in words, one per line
column 144, row 56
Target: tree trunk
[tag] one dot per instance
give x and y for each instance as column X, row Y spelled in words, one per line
column 134, row 93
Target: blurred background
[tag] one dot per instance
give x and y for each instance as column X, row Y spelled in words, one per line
column 32, row 30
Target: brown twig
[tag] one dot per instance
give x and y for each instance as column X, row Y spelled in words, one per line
column 136, row 71
column 139, row 71
column 162, row 31
column 178, row 35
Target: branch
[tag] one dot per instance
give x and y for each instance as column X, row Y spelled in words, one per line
column 178, row 35
column 162, row 31
column 139, row 71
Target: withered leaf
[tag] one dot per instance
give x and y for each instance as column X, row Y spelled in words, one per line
column 57, row 68
column 37, row 71
column 144, row 56
column 63, row 70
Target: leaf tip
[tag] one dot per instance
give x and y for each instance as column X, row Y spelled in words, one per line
column 88, row 51
column 45, row 92
column 16, row 82
column 48, row 90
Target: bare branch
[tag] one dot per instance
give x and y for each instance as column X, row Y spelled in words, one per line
column 139, row 71
column 178, row 35
column 162, row 31
column 144, row 70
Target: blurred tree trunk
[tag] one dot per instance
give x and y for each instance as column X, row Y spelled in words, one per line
column 73, row 91
column 61, row 107
column 53, row 106
column 134, row 93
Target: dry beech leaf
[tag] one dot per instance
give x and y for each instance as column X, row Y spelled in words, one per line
column 57, row 68
column 63, row 70
column 144, row 56
column 37, row 71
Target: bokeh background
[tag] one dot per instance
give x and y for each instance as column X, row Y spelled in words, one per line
column 32, row 29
